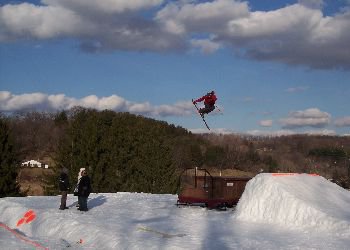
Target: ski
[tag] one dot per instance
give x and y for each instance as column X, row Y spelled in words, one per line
column 201, row 116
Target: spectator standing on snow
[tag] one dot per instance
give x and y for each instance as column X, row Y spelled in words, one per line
column 64, row 187
column 76, row 187
column 84, row 190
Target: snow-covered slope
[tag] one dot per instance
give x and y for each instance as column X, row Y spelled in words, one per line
column 275, row 212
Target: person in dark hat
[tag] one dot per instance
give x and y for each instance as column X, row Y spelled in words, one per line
column 64, row 187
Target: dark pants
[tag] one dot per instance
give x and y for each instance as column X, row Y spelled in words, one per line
column 63, row 199
column 207, row 109
column 82, row 201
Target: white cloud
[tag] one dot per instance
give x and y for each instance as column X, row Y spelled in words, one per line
column 266, row 123
column 5, row 96
column 285, row 132
column 222, row 131
column 270, row 24
column 207, row 46
column 321, row 132
column 143, row 108
column 179, row 108
column 12, row 102
column 98, row 25
column 200, row 16
column 297, row 89
column 298, row 34
column 43, row 102
column 104, row 6
column 25, row 21
column 59, row 102
column 312, row 117
column 342, row 122
column 270, row 133
column 112, row 102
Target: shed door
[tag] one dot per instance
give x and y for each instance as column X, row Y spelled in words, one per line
column 230, row 189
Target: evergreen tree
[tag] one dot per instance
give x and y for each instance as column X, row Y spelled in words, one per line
column 123, row 152
column 8, row 162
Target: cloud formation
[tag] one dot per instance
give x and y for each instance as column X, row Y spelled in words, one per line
column 266, row 123
column 312, row 117
column 39, row 101
column 99, row 25
column 206, row 46
column 342, row 122
column 222, row 131
column 285, row 132
column 297, row 34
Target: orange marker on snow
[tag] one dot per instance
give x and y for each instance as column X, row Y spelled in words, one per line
column 20, row 221
column 282, row 174
column 28, row 217
column 29, row 213
column 288, row 174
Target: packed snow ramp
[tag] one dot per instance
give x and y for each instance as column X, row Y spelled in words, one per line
column 298, row 200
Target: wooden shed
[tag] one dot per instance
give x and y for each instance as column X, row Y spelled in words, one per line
column 199, row 187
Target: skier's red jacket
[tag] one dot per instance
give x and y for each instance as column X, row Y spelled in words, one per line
column 209, row 99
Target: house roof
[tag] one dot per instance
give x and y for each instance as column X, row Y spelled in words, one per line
column 31, row 162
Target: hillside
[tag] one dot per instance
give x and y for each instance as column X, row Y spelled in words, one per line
column 32, row 180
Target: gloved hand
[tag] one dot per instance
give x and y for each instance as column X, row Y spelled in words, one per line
column 194, row 102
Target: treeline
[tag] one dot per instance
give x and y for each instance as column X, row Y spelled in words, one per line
column 126, row 152
column 328, row 156
column 121, row 151
column 8, row 161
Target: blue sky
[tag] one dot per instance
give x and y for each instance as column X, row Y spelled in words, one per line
column 278, row 67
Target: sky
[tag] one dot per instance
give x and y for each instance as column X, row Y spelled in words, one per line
column 275, row 212
column 277, row 67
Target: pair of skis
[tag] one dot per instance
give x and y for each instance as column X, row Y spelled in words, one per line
column 202, row 115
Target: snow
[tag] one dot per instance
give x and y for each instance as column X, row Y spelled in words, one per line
column 275, row 212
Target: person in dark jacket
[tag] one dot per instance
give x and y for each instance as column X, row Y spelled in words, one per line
column 209, row 103
column 84, row 190
column 76, row 187
column 64, row 187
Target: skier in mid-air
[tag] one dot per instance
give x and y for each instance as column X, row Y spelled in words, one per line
column 209, row 103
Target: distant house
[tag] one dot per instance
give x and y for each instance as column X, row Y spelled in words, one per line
column 33, row 163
